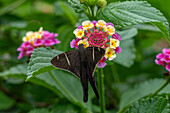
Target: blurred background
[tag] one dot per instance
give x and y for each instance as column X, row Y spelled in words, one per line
column 18, row 17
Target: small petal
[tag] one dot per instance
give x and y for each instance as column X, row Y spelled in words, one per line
column 159, row 62
column 114, row 43
column 118, row 50
column 79, row 33
column 168, row 67
column 164, row 50
column 72, row 43
column 166, row 59
column 94, row 22
column 102, row 65
column 109, row 24
column 47, row 34
column 48, row 42
column 87, row 25
column 80, row 27
column 116, row 36
column 25, row 39
column 26, row 45
column 29, row 51
column 101, row 23
column 160, row 55
column 55, row 35
column 29, row 33
column 21, row 54
column 110, row 53
column 110, row 29
column 55, row 41
column 38, row 42
column 112, row 57
column 40, row 30
column 20, row 49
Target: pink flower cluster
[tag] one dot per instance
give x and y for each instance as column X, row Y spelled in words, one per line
column 164, row 59
column 34, row 40
column 98, row 34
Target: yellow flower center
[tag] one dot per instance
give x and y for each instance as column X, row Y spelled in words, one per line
column 87, row 25
column 110, row 30
column 80, row 33
column 113, row 43
column 109, row 53
column 101, row 24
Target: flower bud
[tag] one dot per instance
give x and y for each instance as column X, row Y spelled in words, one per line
column 89, row 2
column 101, row 3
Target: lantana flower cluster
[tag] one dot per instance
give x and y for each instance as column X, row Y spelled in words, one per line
column 163, row 59
column 34, row 40
column 98, row 34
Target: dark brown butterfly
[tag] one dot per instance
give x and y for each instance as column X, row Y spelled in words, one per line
column 82, row 63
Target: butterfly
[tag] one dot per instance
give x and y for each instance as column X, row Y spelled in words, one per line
column 82, row 63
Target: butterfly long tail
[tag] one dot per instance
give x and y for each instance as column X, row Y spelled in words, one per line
column 93, row 85
column 84, row 82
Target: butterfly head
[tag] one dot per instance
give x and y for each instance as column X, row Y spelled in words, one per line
column 81, row 46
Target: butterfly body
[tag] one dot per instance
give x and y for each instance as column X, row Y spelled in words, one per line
column 82, row 63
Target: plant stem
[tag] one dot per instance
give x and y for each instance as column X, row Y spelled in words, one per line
column 115, row 76
column 101, row 90
column 62, row 87
column 163, row 86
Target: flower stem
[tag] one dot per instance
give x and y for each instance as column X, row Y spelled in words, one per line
column 163, row 86
column 101, row 90
column 62, row 87
column 116, row 76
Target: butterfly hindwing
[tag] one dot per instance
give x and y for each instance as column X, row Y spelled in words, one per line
column 68, row 61
column 95, row 54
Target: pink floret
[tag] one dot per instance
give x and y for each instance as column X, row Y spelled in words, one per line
column 102, row 64
column 38, row 42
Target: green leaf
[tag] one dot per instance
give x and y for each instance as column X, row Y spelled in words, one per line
column 127, row 56
column 129, row 13
column 141, row 90
column 71, row 85
column 63, row 109
column 64, row 9
column 149, row 105
column 66, row 37
column 39, row 110
column 5, row 102
column 76, row 5
column 127, row 34
column 40, row 61
column 19, row 70
column 11, row 7
column 68, row 85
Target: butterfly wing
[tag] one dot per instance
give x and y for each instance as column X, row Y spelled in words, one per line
column 95, row 54
column 68, row 61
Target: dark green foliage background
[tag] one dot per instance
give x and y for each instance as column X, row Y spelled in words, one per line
column 126, row 81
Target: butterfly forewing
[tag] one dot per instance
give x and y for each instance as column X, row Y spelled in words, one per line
column 68, row 61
